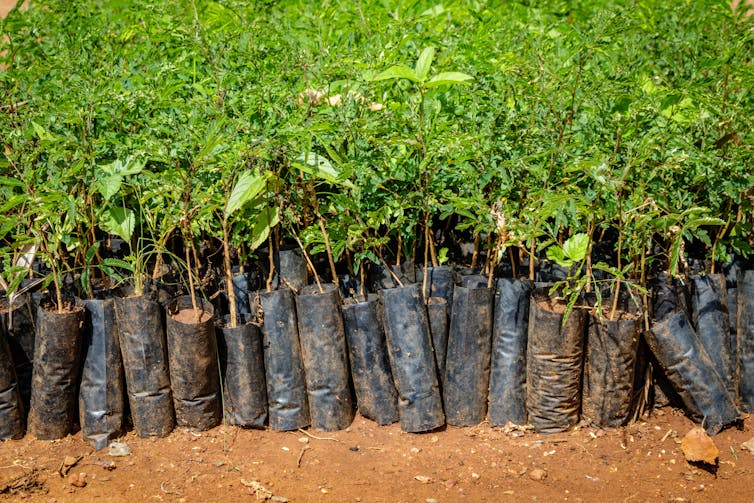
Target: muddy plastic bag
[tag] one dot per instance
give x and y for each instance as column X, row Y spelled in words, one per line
column 12, row 423
column 101, row 394
column 376, row 396
column 440, row 283
column 141, row 334
column 284, row 367
column 507, row 401
column 709, row 315
column 325, row 357
column 192, row 356
column 242, row 370
column 57, row 360
column 746, row 339
column 554, row 362
column 411, row 360
column 692, row 372
column 467, row 365
column 609, row 368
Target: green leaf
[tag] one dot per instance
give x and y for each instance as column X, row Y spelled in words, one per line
column 119, row 221
column 116, row 262
column 397, row 72
column 266, row 220
column 424, row 63
column 248, row 186
column 320, row 166
column 448, row 78
column 576, row 246
column 555, row 253
column 109, row 186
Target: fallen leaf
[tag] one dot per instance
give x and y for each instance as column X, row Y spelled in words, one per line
column 698, row 446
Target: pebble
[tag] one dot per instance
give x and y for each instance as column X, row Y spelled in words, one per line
column 475, row 476
column 77, row 480
column 431, row 500
column 423, row 479
column 415, row 450
column 538, row 474
column 118, row 449
column 449, row 484
column 279, row 499
column 304, row 440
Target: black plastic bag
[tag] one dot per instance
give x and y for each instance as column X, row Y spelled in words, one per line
column 18, row 325
column 57, row 360
column 242, row 370
column 440, row 283
column 709, row 315
column 141, row 334
column 325, row 357
column 192, row 356
column 376, row 396
column 507, row 400
column 411, row 360
column 101, row 394
column 292, row 269
column 12, row 423
column 554, row 363
column 692, row 372
column 439, row 324
column 609, row 368
column 746, row 339
column 467, row 364
column 284, row 367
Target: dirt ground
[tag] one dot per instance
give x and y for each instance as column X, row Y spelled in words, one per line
column 370, row 463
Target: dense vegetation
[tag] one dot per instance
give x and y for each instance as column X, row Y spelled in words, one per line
column 614, row 138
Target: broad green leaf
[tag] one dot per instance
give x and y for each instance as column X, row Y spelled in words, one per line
column 119, row 221
column 266, row 220
column 108, row 186
column 576, row 246
column 424, row 63
column 448, row 78
column 555, row 253
column 397, row 72
column 248, row 186
column 41, row 132
column 320, row 166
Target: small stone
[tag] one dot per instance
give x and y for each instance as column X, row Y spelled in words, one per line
column 431, row 500
column 748, row 445
column 449, row 484
column 354, row 449
column 434, row 439
column 218, row 463
column 304, row 440
column 279, row 499
column 118, row 449
column 415, row 450
column 475, row 476
column 538, row 474
column 286, row 449
column 423, row 479
column 323, row 490
column 77, row 479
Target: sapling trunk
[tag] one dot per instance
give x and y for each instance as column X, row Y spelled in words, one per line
column 271, row 256
column 475, row 253
column 308, row 261
column 229, row 275
column 532, row 251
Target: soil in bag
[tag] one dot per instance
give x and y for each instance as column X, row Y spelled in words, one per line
column 669, row 296
column 12, row 423
column 141, row 334
column 376, row 396
column 437, row 315
column 609, row 368
column 18, row 325
column 325, row 357
column 507, row 400
column 692, row 372
column 411, row 360
column 192, row 356
column 101, row 394
column 284, row 368
column 57, row 360
column 554, row 362
column 746, row 339
column 709, row 315
column 242, row 370
column 467, row 365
